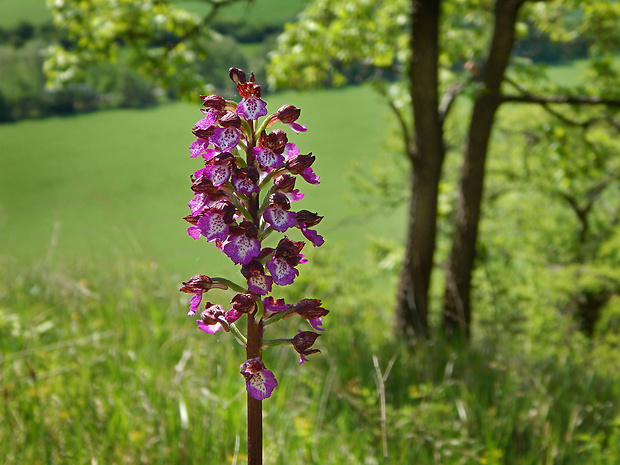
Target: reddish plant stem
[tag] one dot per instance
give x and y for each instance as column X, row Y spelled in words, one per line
column 253, row 346
column 255, row 407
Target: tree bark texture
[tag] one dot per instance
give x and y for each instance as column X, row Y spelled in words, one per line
column 426, row 156
column 457, row 304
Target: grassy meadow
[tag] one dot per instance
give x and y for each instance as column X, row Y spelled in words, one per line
column 115, row 184
column 99, row 363
column 33, row 11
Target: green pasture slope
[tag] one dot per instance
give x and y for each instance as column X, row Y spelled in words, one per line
column 15, row 11
column 113, row 185
column 257, row 11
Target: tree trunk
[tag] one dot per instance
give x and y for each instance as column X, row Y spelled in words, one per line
column 426, row 156
column 457, row 310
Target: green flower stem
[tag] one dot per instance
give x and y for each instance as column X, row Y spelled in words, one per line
column 238, row 334
column 277, row 317
column 244, row 211
column 265, row 123
column 265, row 234
column 268, row 178
column 260, row 310
column 265, row 201
column 276, row 342
column 234, row 286
column 248, row 128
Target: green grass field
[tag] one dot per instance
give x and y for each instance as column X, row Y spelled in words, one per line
column 112, row 185
column 258, row 11
column 33, row 11
column 255, row 11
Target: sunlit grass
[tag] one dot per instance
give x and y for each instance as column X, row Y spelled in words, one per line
column 32, row 11
column 103, row 366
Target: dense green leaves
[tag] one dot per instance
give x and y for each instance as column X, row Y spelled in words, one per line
column 335, row 42
column 155, row 37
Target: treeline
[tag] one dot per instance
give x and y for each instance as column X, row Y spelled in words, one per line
column 23, row 93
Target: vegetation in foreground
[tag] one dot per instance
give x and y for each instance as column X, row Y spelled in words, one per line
column 100, row 366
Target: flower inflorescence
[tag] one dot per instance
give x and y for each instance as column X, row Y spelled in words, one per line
column 241, row 196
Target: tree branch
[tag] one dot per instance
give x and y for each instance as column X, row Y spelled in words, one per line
column 570, row 100
column 400, row 116
column 545, row 102
column 447, row 100
column 206, row 20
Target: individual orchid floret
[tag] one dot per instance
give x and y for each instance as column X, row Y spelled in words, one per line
column 251, row 107
column 271, row 306
column 243, row 244
column 230, row 120
column 205, row 194
column 258, row 282
column 204, row 128
column 203, row 185
column 259, row 382
column 270, row 149
column 284, row 260
column 212, row 319
column 200, row 147
column 305, row 220
column 218, row 169
column 242, row 303
column 277, row 213
column 301, row 164
column 284, row 183
column 225, row 138
column 311, row 310
column 288, row 114
column 214, row 222
column 245, row 180
column 302, row 342
column 193, row 230
column 196, row 285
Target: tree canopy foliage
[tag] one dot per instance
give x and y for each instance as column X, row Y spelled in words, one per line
column 162, row 41
column 426, row 55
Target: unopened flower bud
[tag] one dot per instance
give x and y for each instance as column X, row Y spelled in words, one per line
column 281, row 200
column 201, row 282
column 299, row 163
column 244, row 303
column 237, row 75
column 288, row 113
column 230, row 120
column 284, row 183
column 302, row 342
column 275, row 141
column 308, row 218
column 213, row 101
